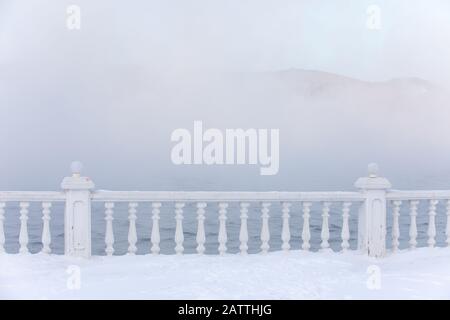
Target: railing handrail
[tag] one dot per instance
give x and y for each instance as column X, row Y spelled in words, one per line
column 228, row 196
column 418, row 195
column 165, row 196
column 32, row 196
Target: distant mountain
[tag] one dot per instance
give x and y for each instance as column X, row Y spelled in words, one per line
column 319, row 84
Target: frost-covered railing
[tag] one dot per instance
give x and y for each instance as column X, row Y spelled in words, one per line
column 223, row 199
column 374, row 200
column 412, row 199
column 24, row 198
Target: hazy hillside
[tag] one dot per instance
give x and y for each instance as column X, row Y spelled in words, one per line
column 118, row 120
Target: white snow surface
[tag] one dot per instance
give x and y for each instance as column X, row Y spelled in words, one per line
column 417, row 274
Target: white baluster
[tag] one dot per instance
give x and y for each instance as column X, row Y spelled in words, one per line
column 345, row 232
column 285, row 231
column 265, row 232
column 132, row 234
column 413, row 225
column 201, row 237
column 432, row 223
column 447, row 229
column 2, row 231
column 155, row 237
column 325, row 233
column 109, row 233
column 46, row 235
column 395, row 225
column 179, row 236
column 223, row 228
column 306, row 234
column 23, row 235
column 243, row 233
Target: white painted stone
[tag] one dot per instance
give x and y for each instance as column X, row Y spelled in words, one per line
column 345, row 232
column 23, row 234
column 109, row 233
column 265, row 232
column 395, row 225
column 432, row 223
column 325, row 233
column 223, row 237
column 372, row 213
column 413, row 224
column 306, row 233
column 285, row 231
column 179, row 236
column 46, row 234
column 77, row 215
column 155, row 237
column 243, row 233
column 132, row 233
column 201, row 236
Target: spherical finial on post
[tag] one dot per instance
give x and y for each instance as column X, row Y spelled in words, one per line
column 373, row 170
column 76, row 167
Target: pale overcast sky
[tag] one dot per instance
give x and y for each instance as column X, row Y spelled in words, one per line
column 237, row 35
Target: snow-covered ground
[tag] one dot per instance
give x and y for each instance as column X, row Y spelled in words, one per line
column 422, row 273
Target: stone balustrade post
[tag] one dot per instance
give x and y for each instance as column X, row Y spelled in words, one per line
column 77, row 214
column 372, row 213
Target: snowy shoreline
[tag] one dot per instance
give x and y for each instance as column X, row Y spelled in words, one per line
column 418, row 274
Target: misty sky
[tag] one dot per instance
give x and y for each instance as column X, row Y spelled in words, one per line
column 239, row 35
column 111, row 93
